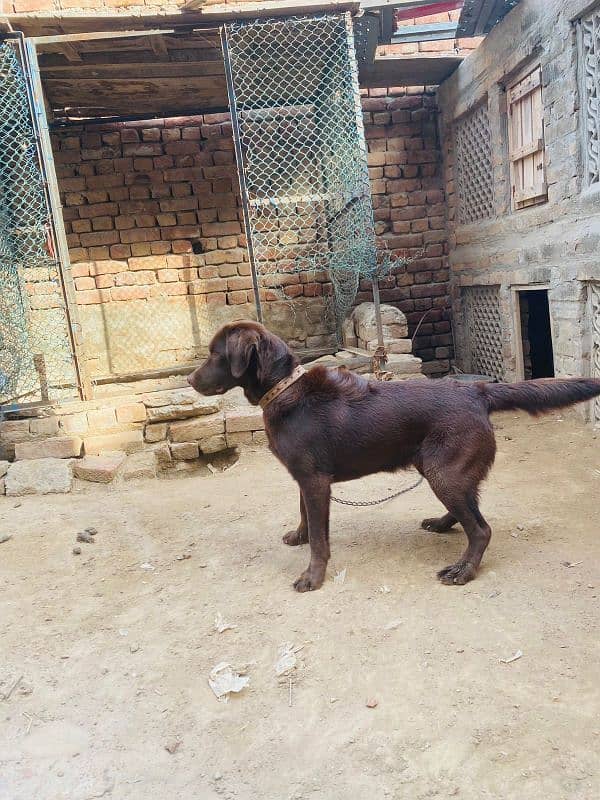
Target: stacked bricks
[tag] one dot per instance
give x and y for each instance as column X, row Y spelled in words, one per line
column 152, row 208
column 410, row 215
column 152, row 211
column 175, row 425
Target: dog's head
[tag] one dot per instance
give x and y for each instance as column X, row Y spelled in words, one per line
column 243, row 354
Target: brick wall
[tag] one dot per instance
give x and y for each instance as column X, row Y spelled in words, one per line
column 159, row 258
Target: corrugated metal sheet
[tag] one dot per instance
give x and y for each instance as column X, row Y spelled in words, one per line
column 478, row 17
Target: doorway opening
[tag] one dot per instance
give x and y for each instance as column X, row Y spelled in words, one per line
column 536, row 334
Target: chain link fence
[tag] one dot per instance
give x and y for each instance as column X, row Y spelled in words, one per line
column 305, row 181
column 36, row 359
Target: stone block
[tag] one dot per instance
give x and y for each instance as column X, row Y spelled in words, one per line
column 238, row 439
column 162, row 452
column 102, row 419
column 185, row 405
column 391, row 345
column 403, row 364
column 44, row 426
column 140, row 465
column 58, row 447
column 99, row 469
column 132, row 412
column 39, row 476
column 128, row 441
column 348, row 331
column 4, row 465
column 15, row 430
column 185, row 451
column 200, row 428
column 244, row 419
column 156, row 432
column 365, row 322
column 74, row 423
column 260, row 437
column 213, row 444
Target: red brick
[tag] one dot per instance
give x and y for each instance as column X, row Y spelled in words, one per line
column 104, row 281
column 84, row 283
column 102, row 237
column 129, row 293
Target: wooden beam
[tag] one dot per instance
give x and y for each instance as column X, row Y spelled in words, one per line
column 399, row 71
column 70, row 52
column 126, row 72
column 159, row 47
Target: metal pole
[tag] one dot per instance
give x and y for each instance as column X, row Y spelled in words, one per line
column 239, row 156
column 377, row 304
column 46, row 158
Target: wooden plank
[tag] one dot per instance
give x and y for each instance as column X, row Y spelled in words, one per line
column 126, row 72
column 526, row 86
column 159, row 47
column 70, row 52
column 398, row 71
column 135, row 57
column 530, row 193
column 134, row 88
column 527, row 150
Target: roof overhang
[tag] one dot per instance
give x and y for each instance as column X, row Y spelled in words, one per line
column 478, row 17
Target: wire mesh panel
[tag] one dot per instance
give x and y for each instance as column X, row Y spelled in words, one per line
column 296, row 111
column 36, row 358
column 474, row 174
column 484, row 330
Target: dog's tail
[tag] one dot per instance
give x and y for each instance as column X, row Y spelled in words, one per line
column 539, row 396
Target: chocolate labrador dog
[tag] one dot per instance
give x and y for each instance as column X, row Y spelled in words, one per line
column 328, row 425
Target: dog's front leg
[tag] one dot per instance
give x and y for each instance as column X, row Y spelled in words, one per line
column 316, row 491
column 300, row 535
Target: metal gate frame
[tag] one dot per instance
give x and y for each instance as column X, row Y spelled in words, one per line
column 29, row 62
column 345, row 266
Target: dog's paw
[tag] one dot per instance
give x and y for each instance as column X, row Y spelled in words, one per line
column 457, row 574
column 308, row 582
column 437, row 525
column 294, row 538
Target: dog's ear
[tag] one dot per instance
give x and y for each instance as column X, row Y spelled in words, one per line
column 241, row 344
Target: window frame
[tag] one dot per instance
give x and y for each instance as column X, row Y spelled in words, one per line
column 526, row 86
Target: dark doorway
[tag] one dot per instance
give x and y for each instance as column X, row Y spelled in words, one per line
column 538, row 356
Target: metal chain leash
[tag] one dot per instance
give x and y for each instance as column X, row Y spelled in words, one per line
column 364, row 503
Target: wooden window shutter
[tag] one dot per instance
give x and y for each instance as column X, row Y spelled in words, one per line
column 526, row 141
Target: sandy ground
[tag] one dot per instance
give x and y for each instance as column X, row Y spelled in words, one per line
column 114, row 657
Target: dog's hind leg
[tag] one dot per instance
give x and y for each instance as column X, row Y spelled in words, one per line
column 454, row 471
column 439, row 524
column 300, row 535
column 316, row 491
column 466, row 510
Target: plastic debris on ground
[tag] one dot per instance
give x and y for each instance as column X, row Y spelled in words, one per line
column 516, row 657
column 287, row 659
column 224, row 680
column 340, row 576
column 221, row 626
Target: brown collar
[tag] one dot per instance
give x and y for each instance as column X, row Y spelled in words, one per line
column 280, row 387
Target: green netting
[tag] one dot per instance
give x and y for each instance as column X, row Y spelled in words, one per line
column 36, row 360
column 299, row 120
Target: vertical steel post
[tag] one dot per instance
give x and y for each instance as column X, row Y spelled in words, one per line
column 239, row 156
column 48, row 170
column 377, row 304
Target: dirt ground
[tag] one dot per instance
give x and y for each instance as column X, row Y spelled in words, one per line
column 114, row 656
